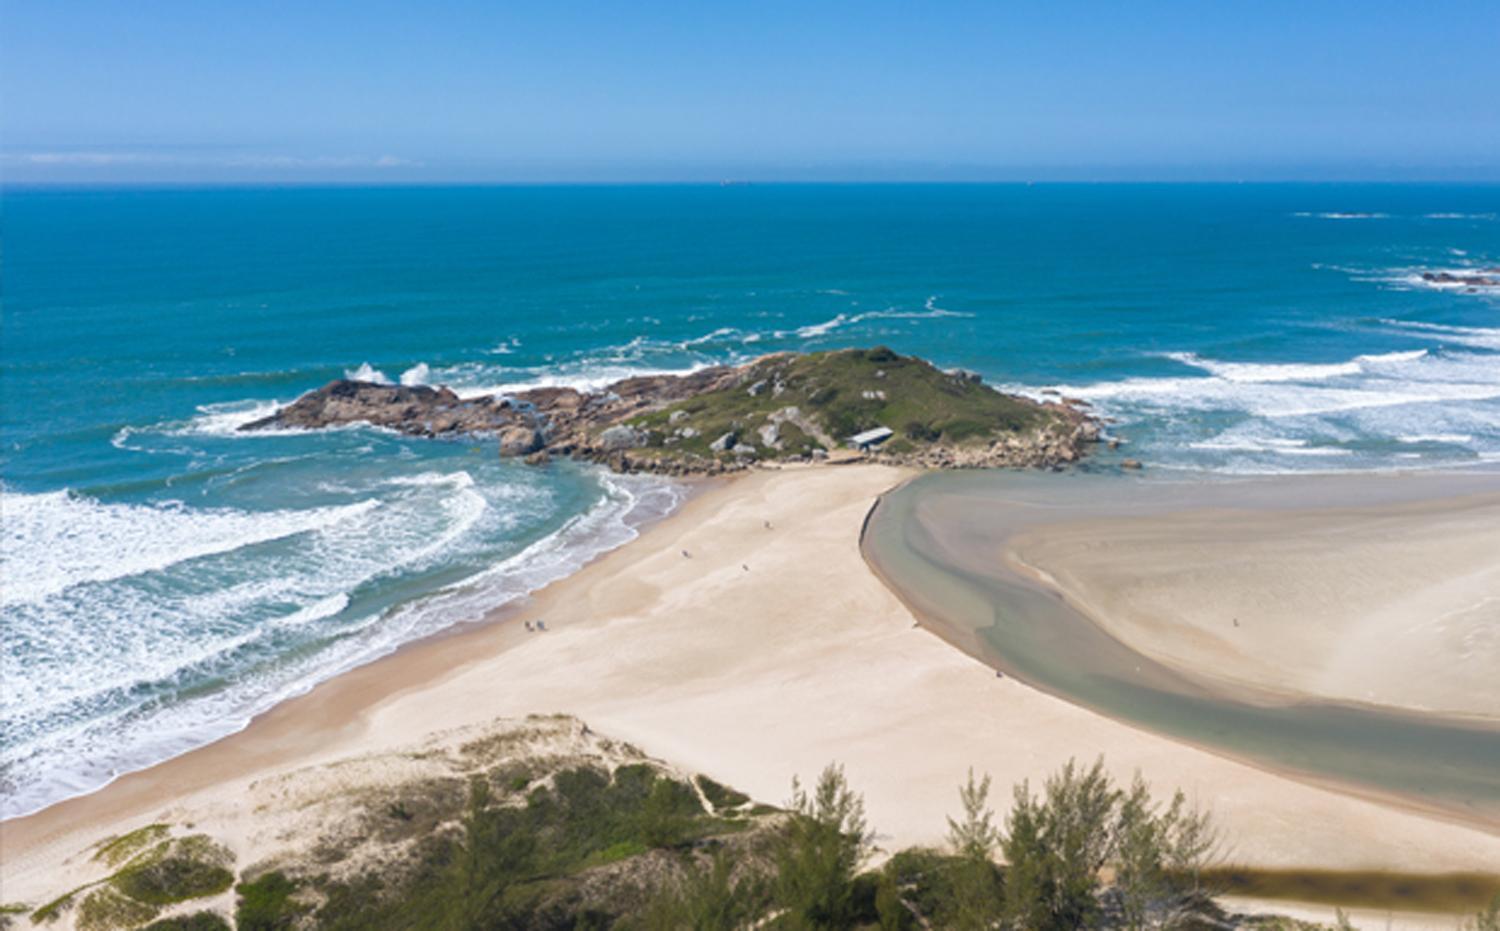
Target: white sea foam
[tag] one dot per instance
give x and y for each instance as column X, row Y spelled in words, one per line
column 317, row 611
column 72, row 726
column 1278, row 413
column 719, row 335
column 367, row 372
column 584, row 378
column 929, row 311
column 1340, row 215
column 225, row 419
column 1474, row 337
column 416, row 375
column 1452, row 438
column 814, row 330
column 1258, row 372
column 57, row 539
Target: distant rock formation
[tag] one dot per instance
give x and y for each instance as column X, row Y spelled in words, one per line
column 1477, row 278
column 799, row 408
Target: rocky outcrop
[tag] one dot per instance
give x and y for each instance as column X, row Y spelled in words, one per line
column 646, row 423
column 1478, row 278
column 418, row 410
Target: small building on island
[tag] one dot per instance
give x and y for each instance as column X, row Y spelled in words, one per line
column 869, row 439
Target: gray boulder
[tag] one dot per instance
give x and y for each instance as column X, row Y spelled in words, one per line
column 520, row 440
column 724, row 443
column 622, row 437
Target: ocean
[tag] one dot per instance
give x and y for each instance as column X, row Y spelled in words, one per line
column 166, row 578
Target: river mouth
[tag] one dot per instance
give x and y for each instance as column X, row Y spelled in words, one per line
column 940, row 543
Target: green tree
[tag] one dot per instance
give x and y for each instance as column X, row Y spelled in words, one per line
column 488, row 859
column 819, row 851
column 1159, row 857
column 1028, row 862
column 1055, row 848
column 662, row 821
column 707, row 898
column 890, row 907
column 1140, row 877
column 976, row 886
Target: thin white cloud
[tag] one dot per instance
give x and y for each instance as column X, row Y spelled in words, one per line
column 259, row 162
column 89, row 158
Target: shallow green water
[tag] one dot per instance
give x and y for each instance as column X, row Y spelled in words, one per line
column 937, row 541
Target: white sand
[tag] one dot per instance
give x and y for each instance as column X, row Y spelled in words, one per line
column 765, row 654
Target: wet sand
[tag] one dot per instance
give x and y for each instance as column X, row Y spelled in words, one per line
column 1269, row 620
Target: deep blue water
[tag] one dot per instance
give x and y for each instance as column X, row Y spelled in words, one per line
column 165, row 578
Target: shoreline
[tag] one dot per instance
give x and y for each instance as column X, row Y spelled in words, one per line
column 682, row 490
column 766, row 653
column 337, row 702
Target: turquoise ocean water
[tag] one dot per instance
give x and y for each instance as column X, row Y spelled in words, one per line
column 166, row 578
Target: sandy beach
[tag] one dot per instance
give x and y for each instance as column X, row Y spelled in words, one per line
column 744, row 637
column 1394, row 605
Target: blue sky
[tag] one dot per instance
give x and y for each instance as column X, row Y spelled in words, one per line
column 210, row 90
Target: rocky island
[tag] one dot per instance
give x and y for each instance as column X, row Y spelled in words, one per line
column 809, row 407
column 1476, row 278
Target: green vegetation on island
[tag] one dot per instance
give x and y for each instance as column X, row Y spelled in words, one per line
column 805, row 406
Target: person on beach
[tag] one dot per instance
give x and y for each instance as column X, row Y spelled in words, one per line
column 528, row 626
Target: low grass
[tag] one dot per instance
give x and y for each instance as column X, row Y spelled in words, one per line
column 156, row 872
column 50, row 912
column 719, row 795
column 118, row 850
column 842, row 392
column 186, row 868
column 11, row 911
column 107, row 909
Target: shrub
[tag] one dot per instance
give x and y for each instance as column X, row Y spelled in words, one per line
column 710, row 896
column 105, row 909
column 721, row 796
column 173, row 878
column 819, row 852
column 266, row 904
column 1056, row 847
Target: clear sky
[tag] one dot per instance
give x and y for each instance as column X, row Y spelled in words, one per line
column 515, row 90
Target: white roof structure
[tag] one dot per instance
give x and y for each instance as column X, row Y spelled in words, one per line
column 871, row 437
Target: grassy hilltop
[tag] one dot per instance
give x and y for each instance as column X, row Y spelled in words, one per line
column 793, row 406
